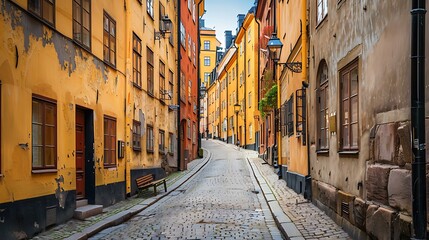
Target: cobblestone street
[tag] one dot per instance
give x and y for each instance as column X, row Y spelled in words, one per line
column 222, row 202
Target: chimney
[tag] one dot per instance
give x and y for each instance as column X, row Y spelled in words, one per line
column 240, row 19
column 202, row 23
column 228, row 38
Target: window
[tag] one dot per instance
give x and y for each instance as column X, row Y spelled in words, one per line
column 170, row 83
column 44, row 133
column 149, row 139
column 44, row 9
column 182, row 35
column 194, row 13
column 194, row 133
column 82, row 22
column 189, row 90
column 161, row 148
column 289, row 116
column 137, row 61
column 349, row 105
column 322, row 107
column 170, row 143
column 150, row 72
column 188, row 132
column 248, row 67
column 206, row 61
column 249, row 99
column 322, row 10
column 206, row 45
column 182, row 87
column 109, row 40
column 149, row 7
column 109, row 141
column 194, row 54
column 241, row 78
column 206, row 78
column 189, row 45
column 137, row 136
column 161, row 77
column 251, row 131
column 189, row 5
column 161, row 16
column 249, row 35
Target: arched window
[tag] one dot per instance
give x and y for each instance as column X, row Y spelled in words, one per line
column 322, row 107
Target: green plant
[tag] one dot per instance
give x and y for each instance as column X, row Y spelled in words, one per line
column 269, row 101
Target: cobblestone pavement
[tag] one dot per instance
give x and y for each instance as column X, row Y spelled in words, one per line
column 218, row 203
column 312, row 222
column 75, row 226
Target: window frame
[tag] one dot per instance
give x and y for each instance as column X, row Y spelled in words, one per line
column 150, row 8
column 109, row 48
column 207, row 61
column 206, row 45
column 110, row 120
column 137, row 145
column 346, row 71
column 137, row 59
column 150, row 75
column 149, row 139
column 170, row 143
column 39, row 14
column 161, row 141
column 82, row 9
column 322, row 100
column 324, row 5
column 162, row 79
column 46, row 102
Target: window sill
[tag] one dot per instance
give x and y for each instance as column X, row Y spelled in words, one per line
column 44, row 171
column 110, row 65
column 321, row 23
column 137, row 86
column 151, row 94
column 110, row 167
column 149, row 151
column 170, row 153
column 137, row 149
column 1, row 175
column 323, row 151
column 349, row 152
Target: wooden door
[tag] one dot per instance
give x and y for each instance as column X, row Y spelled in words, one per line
column 80, row 154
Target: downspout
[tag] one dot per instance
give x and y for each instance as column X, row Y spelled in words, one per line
column 258, row 84
column 236, row 90
column 245, row 83
column 199, row 79
column 277, row 134
column 418, row 173
column 179, row 147
column 304, row 52
column 128, row 151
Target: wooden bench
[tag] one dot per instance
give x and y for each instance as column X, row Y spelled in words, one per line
column 147, row 181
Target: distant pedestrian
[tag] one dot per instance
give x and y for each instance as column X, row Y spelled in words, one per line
column 238, row 144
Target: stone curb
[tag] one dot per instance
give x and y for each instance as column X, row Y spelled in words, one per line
column 284, row 223
column 127, row 214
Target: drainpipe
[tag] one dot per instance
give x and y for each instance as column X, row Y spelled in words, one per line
column 179, row 147
column 245, row 83
column 127, row 136
column 418, row 173
column 257, row 93
column 304, row 52
column 277, row 134
column 199, row 78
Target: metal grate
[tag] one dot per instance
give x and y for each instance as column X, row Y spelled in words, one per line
column 51, row 215
column 345, row 210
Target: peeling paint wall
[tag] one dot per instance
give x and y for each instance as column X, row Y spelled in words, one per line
column 50, row 64
column 377, row 33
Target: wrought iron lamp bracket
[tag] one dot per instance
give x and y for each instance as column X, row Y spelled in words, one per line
column 295, row 67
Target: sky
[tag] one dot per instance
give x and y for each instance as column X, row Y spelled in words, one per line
column 222, row 15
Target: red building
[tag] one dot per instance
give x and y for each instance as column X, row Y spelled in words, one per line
column 190, row 11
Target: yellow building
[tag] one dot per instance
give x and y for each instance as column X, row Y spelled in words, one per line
column 247, row 62
column 292, row 19
column 208, row 54
column 84, row 97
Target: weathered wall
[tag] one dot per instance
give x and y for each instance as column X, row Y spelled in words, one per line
column 377, row 33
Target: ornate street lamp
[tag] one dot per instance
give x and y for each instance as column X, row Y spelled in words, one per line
column 275, row 49
column 164, row 28
column 237, row 108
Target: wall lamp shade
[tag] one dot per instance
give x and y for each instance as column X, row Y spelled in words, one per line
column 237, row 108
column 164, row 28
column 275, row 47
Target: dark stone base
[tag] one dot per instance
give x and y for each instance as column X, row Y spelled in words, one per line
column 296, row 182
column 110, row 194
column 136, row 173
column 283, row 171
column 25, row 218
column 229, row 140
column 251, row 147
